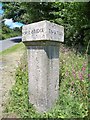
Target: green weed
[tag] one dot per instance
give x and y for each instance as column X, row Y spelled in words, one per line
column 73, row 98
column 19, row 46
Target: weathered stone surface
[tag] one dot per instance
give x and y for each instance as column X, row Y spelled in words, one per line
column 42, row 41
column 43, row 30
column 43, row 76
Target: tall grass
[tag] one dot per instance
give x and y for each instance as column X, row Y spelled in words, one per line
column 74, row 84
column 12, row 49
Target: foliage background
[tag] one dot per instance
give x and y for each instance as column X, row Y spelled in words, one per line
column 74, row 16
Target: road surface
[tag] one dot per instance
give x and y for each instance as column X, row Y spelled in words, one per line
column 5, row 44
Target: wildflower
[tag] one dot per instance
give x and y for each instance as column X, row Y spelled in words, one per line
column 88, row 75
column 80, row 76
column 83, row 68
column 84, row 64
column 74, row 73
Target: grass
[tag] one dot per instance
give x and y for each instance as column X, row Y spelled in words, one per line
column 73, row 97
column 16, row 47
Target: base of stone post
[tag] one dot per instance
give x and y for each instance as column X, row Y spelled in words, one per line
column 43, row 67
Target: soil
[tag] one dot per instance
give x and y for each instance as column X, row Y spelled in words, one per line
column 8, row 65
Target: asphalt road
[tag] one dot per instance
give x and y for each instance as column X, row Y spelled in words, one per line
column 5, row 44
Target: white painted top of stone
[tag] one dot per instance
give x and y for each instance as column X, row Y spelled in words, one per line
column 43, row 30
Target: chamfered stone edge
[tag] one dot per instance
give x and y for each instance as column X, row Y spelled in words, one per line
column 43, row 30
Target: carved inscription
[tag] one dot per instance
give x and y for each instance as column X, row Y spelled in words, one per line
column 33, row 31
column 54, row 32
column 36, row 31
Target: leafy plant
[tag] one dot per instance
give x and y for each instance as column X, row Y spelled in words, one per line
column 73, row 97
column 76, row 23
column 6, row 32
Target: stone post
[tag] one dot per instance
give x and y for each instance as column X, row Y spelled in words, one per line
column 42, row 41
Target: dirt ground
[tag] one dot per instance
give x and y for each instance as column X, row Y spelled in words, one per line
column 8, row 65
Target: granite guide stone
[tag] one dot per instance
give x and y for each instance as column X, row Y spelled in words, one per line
column 42, row 41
